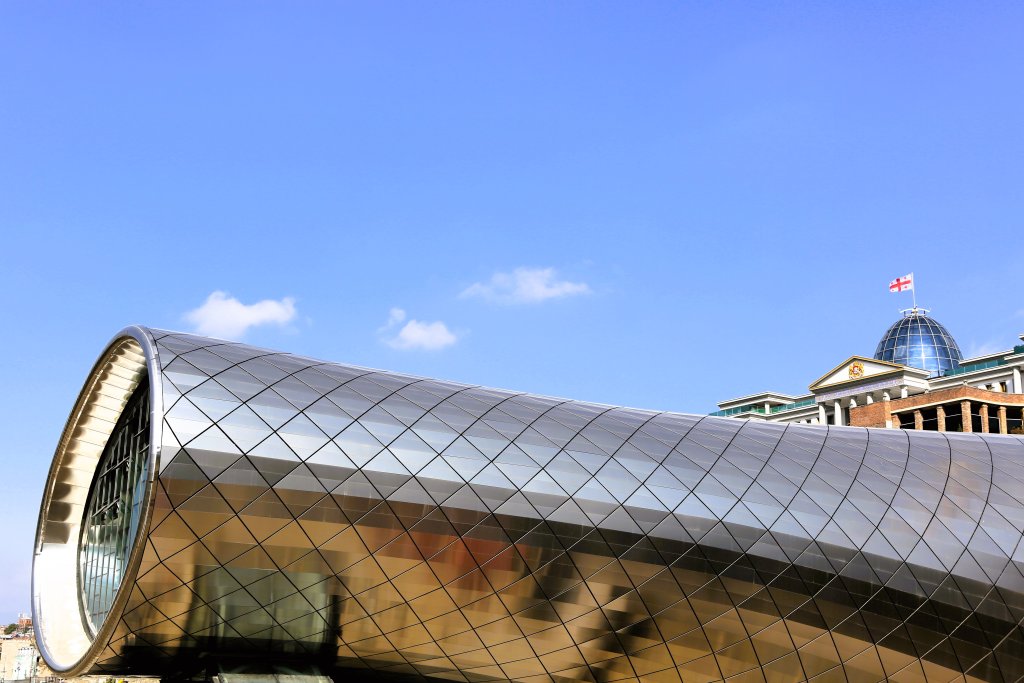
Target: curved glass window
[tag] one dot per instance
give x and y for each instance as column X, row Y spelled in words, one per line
column 920, row 342
column 113, row 509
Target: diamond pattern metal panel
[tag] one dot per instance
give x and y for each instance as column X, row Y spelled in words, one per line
column 414, row 527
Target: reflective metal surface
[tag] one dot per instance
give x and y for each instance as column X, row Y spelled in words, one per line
column 315, row 512
column 920, row 342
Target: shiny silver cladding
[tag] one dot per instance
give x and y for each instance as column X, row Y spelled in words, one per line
column 312, row 511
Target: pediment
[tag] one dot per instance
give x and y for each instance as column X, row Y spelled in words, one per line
column 855, row 369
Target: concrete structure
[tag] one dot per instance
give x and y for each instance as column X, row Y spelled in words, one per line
column 875, row 392
column 215, row 509
column 17, row 659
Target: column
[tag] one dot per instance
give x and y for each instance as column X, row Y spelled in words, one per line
column 822, row 417
column 904, row 392
column 896, row 424
column 1018, row 387
column 965, row 416
column 870, row 399
column 983, row 411
column 940, row 413
column 836, row 406
column 885, row 396
column 1001, row 412
column 918, row 420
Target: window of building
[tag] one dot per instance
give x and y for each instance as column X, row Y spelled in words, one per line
column 113, row 509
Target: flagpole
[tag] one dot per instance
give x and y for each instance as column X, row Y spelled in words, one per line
column 913, row 289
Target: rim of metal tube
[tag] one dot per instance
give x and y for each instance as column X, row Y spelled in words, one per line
column 64, row 640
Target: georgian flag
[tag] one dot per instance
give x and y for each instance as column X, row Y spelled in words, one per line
column 902, row 284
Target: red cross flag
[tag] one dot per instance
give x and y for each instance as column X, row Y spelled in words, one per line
column 902, row 284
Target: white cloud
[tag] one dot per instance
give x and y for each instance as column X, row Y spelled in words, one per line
column 224, row 316
column 417, row 335
column 524, row 286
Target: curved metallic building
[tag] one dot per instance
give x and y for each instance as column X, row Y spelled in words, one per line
column 215, row 507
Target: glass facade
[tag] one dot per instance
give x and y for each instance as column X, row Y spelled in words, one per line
column 920, row 342
column 114, row 509
column 321, row 514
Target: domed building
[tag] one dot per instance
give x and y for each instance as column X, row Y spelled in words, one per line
column 917, row 379
column 917, row 341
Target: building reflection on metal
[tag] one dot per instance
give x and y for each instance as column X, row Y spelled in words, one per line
column 321, row 513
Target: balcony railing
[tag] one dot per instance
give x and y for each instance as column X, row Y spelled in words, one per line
column 759, row 408
column 807, row 402
column 728, row 412
column 971, row 367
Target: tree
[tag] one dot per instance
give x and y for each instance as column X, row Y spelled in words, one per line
column 11, row 628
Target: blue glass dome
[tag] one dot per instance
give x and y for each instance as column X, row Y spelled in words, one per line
column 920, row 342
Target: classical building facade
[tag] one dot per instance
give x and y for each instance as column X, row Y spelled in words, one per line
column 916, row 379
column 215, row 508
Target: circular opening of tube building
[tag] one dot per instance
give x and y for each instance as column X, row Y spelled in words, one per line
column 95, row 504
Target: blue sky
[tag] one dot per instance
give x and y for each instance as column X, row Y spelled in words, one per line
column 660, row 205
